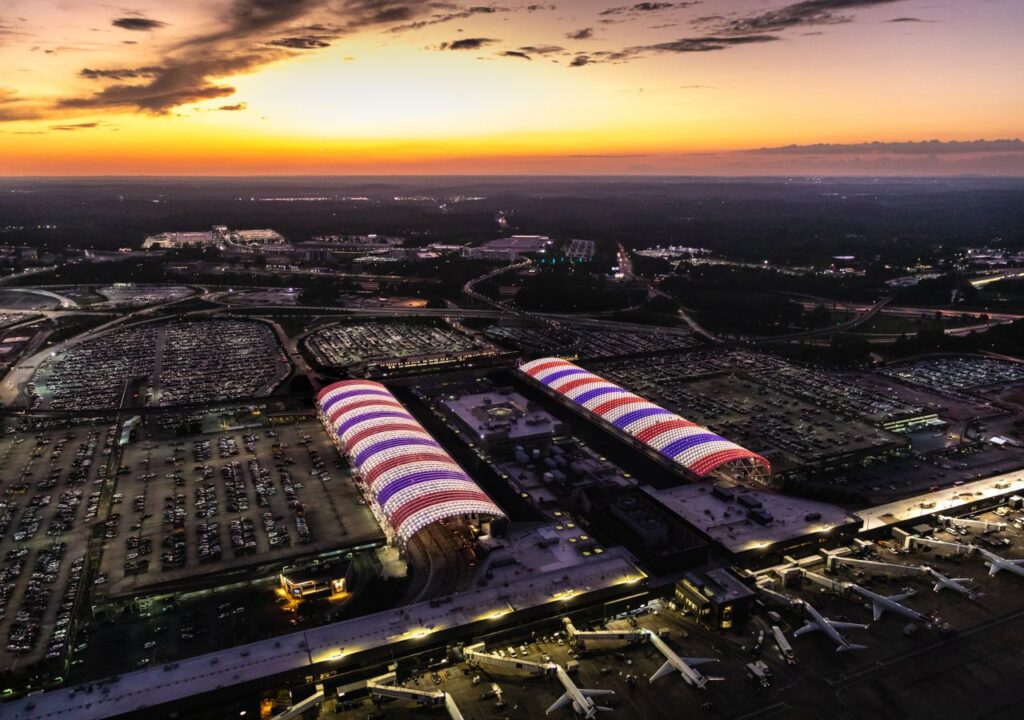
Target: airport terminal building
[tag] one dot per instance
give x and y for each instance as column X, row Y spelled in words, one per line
column 683, row 446
column 408, row 479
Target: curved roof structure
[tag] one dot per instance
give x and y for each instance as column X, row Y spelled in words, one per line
column 685, row 443
column 413, row 480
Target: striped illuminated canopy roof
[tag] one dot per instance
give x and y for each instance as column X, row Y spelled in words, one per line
column 694, row 447
column 414, row 481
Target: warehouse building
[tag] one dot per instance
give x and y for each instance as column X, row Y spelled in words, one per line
column 408, row 479
column 684, row 446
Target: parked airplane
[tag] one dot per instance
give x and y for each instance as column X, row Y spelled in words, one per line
column 831, row 628
column 954, row 584
column 580, row 699
column 686, row 667
column 996, row 563
column 881, row 603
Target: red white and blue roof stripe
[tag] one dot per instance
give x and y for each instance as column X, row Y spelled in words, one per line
column 694, row 447
column 413, row 480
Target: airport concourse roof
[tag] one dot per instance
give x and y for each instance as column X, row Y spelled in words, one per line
column 161, row 684
column 694, row 447
column 945, row 500
column 727, row 520
column 414, row 481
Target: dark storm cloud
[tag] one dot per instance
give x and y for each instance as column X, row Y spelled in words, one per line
column 801, row 14
column 301, row 42
column 908, row 20
column 925, row 147
column 237, row 107
column 516, row 54
column 140, row 24
column 581, row 34
column 579, row 61
column 468, row 43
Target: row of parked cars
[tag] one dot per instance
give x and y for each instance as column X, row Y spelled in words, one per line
column 26, row 626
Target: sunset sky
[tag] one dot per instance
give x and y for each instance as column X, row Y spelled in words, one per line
column 731, row 87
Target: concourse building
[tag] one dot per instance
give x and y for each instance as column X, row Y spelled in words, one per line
column 408, row 479
column 684, row 446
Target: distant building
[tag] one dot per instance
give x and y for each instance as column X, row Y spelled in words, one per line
column 580, row 250
column 220, row 236
column 510, row 248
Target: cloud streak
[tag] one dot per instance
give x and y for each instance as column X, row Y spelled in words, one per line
column 137, row 23
column 924, row 147
column 802, row 14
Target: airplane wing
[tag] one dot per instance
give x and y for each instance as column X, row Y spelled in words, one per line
column 560, row 703
column 850, row 646
column 993, row 568
column 1018, row 562
column 846, row 625
column 809, row 627
column 666, row 669
column 899, row 597
column 596, row 693
column 698, row 661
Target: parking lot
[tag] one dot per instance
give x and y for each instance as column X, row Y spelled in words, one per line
column 191, row 509
column 370, row 346
column 162, row 364
column 754, row 401
column 839, row 393
column 587, row 343
column 956, row 377
column 48, row 494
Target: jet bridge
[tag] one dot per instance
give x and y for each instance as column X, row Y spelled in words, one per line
column 580, row 638
column 476, row 655
column 384, row 686
column 827, row 583
column 875, row 568
column 940, row 548
column 980, row 526
column 302, row 706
